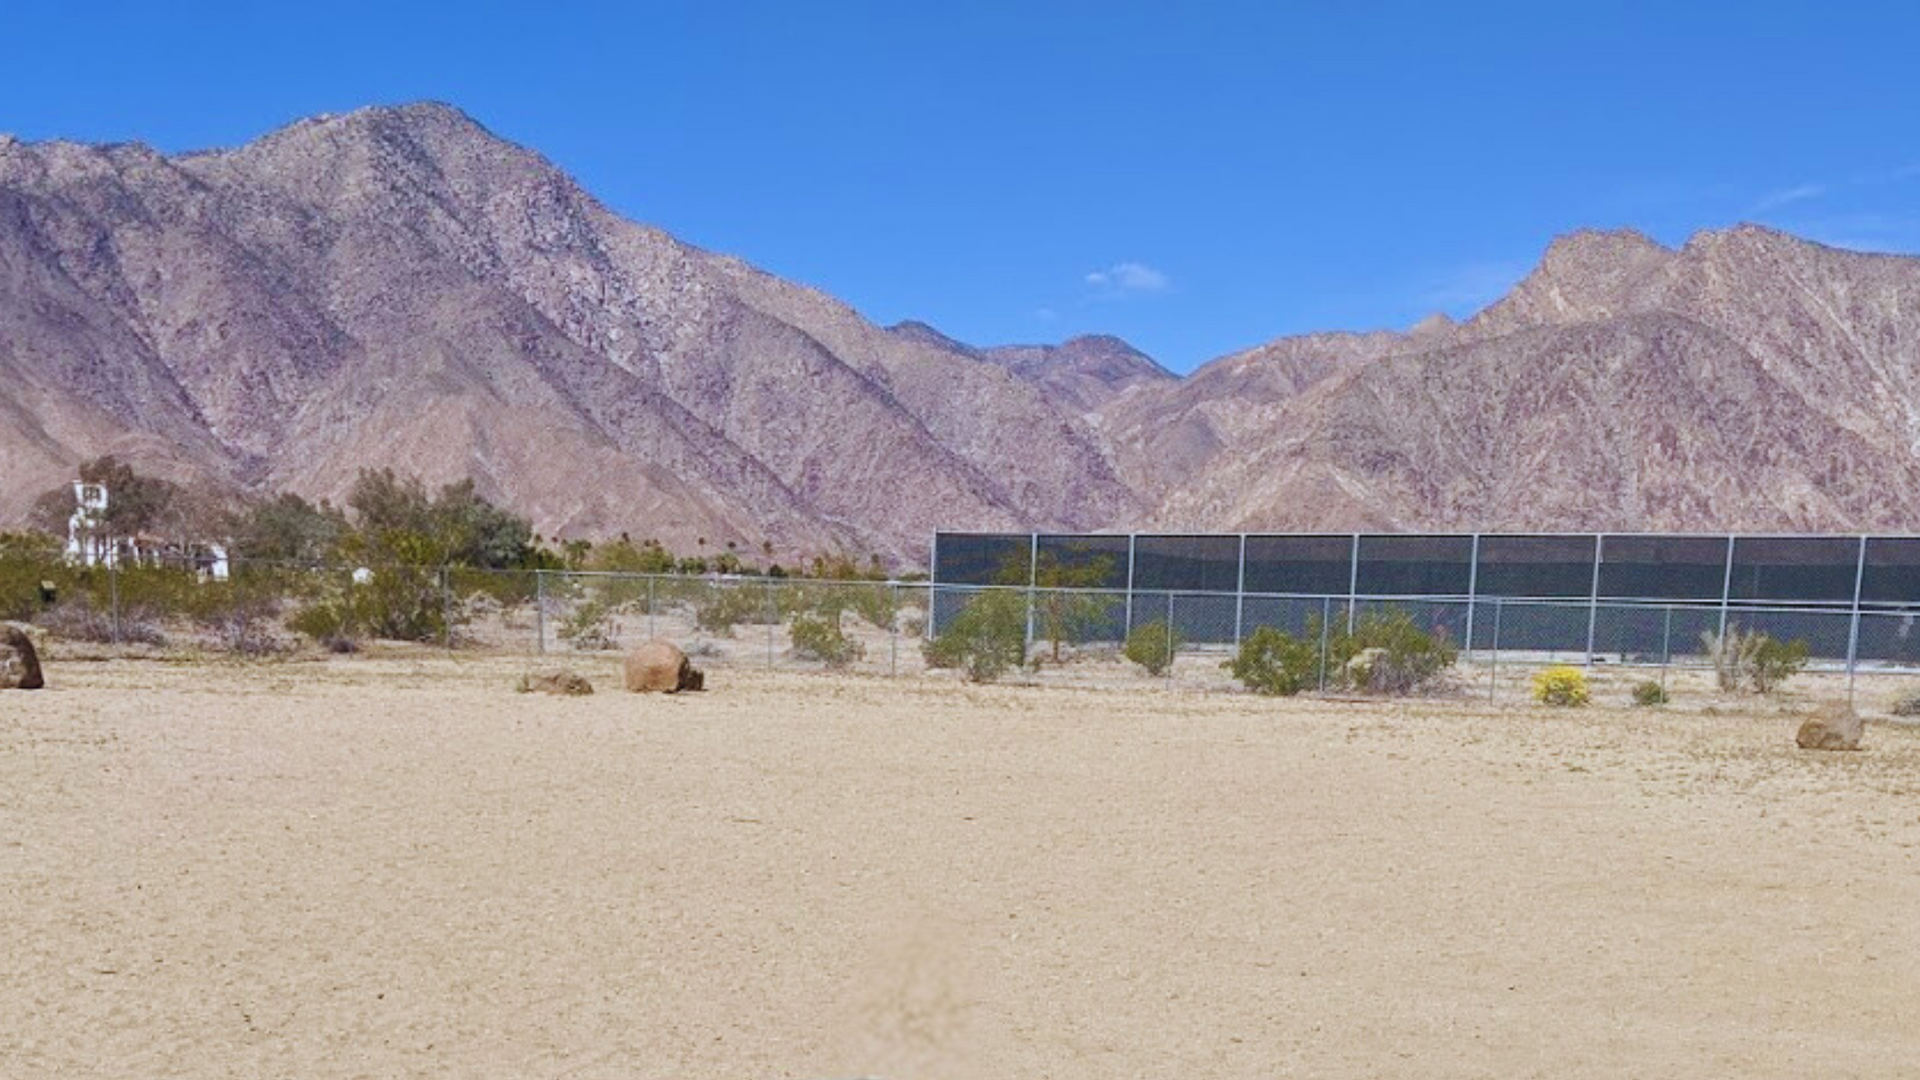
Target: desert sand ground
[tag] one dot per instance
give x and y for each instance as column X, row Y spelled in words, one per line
column 398, row 867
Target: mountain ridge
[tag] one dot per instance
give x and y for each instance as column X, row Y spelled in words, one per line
column 399, row 286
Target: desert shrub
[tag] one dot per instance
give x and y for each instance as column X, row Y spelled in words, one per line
column 1649, row 693
column 163, row 593
column 403, row 603
column 719, row 608
column 1275, row 663
column 986, row 638
column 325, row 621
column 877, row 605
column 28, row 562
column 1731, row 652
column 1906, row 705
column 1152, row 645
column 1561, row 686
column 1752, row 658
column 77, row 620
column 244, row 628
column 1386, row 652
column 1775, row 661
column 817, row 637
column 589, row 626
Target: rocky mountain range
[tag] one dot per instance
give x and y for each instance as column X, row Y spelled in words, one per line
column 397, row 286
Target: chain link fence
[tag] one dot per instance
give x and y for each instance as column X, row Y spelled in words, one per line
column 880, row 628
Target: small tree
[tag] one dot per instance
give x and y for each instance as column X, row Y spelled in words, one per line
column 1152, row 645
column 1064, row 610
column 986, row 638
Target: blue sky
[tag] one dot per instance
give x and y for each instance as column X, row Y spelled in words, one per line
column 1197, row 178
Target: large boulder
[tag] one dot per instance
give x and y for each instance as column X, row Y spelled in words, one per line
column 1836, row 727
column 19, row 660
column 558, row 681
column 660, row 667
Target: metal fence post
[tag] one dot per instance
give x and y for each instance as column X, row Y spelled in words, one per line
column 1353, row 581
column 1493, row 671
column 652, row 607
column 893, row 628
column 773, row 618
column 540, row 612
column 113, row 593
column 1240, row 591
column 1593, row 597
column 1326, row 628
column 1726, row 589
column 1853, row 628
column 1666, row 651
column 1033, row 580
column 446, row 611
column 1169, row 637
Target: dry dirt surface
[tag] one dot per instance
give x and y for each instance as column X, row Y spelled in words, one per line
column 398, row 868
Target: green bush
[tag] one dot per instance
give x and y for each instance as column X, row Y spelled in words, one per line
column 27, row 562
column 818, row 637
column 1775, row 661
column 1152, row 645
column 325, row 621
column 1753, row 658
column 404, row 603
column 986, row 638
column 1275, row 663
column 719, row 608
column 1649, row 693
column 589, row 626
column 1386, row 652
column 398, row 603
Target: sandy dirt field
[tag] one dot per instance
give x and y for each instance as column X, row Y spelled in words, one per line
column 398, row 867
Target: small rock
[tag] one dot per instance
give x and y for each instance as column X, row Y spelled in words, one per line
column 19, row 660
column 1835, row 727
column 570, row 683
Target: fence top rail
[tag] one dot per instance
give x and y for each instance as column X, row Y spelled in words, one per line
column 1521, row 533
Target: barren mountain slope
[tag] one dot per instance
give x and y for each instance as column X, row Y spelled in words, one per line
column 1084, row 373
column 396, row 286
column 1748, row 379
column 1646, row 421
column 1165, row 436
column 349, row 287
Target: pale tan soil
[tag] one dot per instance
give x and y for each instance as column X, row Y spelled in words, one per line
column 398, row 867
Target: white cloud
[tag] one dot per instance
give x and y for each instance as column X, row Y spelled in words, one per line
column 1869, row 232
column 1774, row 200
column 1127, row 279
column 1463, row 290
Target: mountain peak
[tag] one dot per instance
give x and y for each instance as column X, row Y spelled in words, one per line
column 927, row 334
column 1584, row 245
column 1584, row 274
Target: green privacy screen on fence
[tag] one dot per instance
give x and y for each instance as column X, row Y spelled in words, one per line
column 1626, row 594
